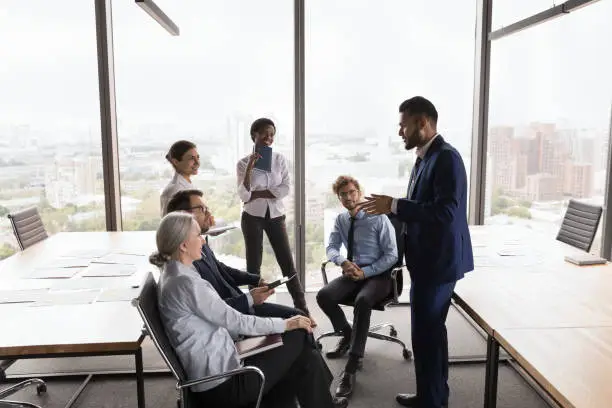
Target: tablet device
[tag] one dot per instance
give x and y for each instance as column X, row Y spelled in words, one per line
column 279, row 282
column 265, row 160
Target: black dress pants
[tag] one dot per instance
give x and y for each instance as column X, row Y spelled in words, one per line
column 364, row 294
column 295, row 372
column 253, row 229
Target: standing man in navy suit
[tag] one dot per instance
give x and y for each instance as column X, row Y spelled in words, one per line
column 438, row 249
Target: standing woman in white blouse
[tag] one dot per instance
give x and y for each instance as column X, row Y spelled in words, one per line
column 262, row 194
column 184, row 157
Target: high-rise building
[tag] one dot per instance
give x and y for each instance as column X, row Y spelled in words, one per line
column 578, row 180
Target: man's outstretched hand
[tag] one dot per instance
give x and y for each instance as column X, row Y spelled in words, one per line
column 376, row 204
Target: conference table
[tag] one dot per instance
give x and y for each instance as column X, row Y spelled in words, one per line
column 74, row 316
column 552, row 317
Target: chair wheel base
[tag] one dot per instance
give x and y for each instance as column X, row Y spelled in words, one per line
column 407, row 354
column 393, row 333
column 41, row 388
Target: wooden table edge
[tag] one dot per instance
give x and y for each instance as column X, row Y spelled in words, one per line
column 472, row 314
column 58, row 349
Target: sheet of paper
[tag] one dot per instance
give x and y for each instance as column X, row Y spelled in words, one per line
column 511, row 251
column 108, row 270
column 55, row 273
column 67, row 297
column 85, row 253
column 118, row 294
column 119, row 258
column 95, row 283
column 21, row 296
column 64, row 263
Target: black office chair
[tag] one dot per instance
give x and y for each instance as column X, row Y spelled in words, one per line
column 28, row 227
column 396, row 290
column 146, row 304
column 579, row 225
column 40, row 388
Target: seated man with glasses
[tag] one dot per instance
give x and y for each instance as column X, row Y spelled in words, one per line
column 225, row 279
column 366, row 277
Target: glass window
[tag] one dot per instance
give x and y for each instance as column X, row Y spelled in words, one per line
column 506, row 12
column 50, row 154
column 549, row 118
column 232, row 63
column 363, row 58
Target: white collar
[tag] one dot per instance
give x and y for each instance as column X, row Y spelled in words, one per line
column 179, row 179
column 422, row 151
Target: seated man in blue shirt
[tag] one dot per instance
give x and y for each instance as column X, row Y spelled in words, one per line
column 223, row 278
column 366, row 277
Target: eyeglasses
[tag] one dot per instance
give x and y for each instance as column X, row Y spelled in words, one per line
column 346, row 194
column 199, row 208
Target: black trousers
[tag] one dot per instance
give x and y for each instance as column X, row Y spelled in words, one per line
column 276, row 310
column 295, row 372
column 429, row 306
column 364, row 294
column 253, row 229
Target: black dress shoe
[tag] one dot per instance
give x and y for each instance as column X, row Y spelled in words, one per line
column 410, row 400
column 407, row 400
column 340, row 402
column 347, row 383
column 341, row 348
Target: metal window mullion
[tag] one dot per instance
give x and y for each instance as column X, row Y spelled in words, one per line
column 482, row 68
column 299, row 142
column 108, row 114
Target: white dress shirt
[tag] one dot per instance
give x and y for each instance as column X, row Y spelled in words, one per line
column 420, row 152
column 201, row 327
column 276, row 181
column 178, row 183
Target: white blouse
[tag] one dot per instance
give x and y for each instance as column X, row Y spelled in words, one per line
column 277, row 182
column 178, row 183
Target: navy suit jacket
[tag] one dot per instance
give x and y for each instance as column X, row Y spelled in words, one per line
column 225, row 279
column 438, row 248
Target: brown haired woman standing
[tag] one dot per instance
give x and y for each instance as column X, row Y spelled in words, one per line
column 186, row 161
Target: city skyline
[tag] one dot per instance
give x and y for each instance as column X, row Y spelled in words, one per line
column 234, row 62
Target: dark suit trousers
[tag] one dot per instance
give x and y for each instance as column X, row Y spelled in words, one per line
column 364, row 294
column 276, row 230
column 276, row 310
column 429, row 308
column 296, row 370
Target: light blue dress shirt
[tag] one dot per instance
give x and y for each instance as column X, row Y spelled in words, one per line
column 374, row 242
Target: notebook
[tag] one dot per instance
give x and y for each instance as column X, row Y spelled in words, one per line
column 220, row 230
column 255, row 345
column 585, row 259
column 265, row 160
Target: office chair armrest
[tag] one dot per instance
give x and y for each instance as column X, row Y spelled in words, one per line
column 394, row 273
column 231, row 373
column 324, row 273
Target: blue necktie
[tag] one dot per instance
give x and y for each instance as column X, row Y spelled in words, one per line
column 351, row 239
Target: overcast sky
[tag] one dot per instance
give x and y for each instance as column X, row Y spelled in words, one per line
column 234, row 61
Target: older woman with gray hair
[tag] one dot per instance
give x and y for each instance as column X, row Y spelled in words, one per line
column 202, row 329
